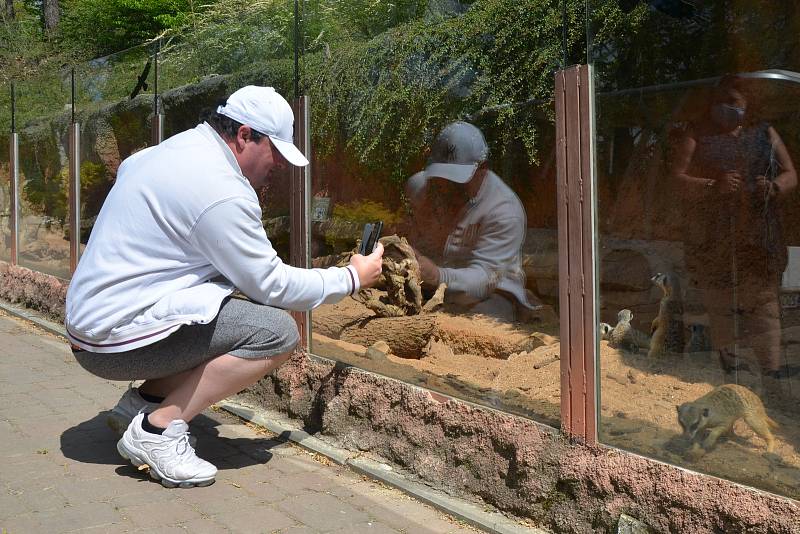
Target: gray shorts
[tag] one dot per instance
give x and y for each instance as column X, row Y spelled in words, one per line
column 242, row 328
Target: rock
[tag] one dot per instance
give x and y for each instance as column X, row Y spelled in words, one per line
column 630, row 525
column 381, row 346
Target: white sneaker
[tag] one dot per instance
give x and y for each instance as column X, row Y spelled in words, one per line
column 170, row 456
column 129, row 405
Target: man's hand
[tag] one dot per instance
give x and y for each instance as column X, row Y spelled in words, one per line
column 368, row 267
column 428, row 270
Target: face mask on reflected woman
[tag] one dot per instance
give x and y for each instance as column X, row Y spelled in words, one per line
column 726, row 116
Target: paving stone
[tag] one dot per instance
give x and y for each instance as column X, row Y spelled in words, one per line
column 142, row 493
column 66, row 519
column 301, row 529
column 203, row 526
column 372, row 527
column 322, row 511
column 254, row 518
column 161, row 514
column 298, row 483
column 260, row 489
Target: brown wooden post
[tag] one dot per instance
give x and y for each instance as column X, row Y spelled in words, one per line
column 74, row 196
column 576, row 253
column 299, row 223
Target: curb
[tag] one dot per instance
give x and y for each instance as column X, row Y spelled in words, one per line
column 28, row 315
column 472, row 514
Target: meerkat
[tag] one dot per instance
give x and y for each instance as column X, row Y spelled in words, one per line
column 699, row 340
column 714, row 414
column 667, row 329
column 625, row 336
column 605, row 330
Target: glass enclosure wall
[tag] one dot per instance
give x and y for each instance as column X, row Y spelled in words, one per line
column 43, row 119
column 441, row 127
column 5, row 174
column 193, row 81
column 114, row 105
column 697, row 144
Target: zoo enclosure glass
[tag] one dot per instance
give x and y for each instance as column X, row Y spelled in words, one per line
column 193, row 81
column 697, row 141
column 5, row 171
column 43, row 122
column 441, row 126
column 114, row 105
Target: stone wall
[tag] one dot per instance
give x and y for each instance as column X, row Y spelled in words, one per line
column 37, row 291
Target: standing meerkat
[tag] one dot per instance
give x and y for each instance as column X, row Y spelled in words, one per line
column 667, row 329
column 699, row 340
column 707, row 418
column 605, row 331
column 625, row 336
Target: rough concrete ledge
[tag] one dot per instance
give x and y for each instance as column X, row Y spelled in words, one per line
column 38, row 291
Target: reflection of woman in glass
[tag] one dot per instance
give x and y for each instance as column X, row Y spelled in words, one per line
column 733, row 170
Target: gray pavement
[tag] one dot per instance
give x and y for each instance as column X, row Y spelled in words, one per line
column 60, row 471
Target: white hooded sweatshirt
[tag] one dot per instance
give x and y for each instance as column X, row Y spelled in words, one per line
column 179, row 230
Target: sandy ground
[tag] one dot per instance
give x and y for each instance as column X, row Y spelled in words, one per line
column 638, row 396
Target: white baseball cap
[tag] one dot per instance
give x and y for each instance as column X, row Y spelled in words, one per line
column 268, row 113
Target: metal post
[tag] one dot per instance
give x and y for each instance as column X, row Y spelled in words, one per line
column 14, row 187
column 74, row 196
column 576, row 253
column 300, row 205
column 13, row 151
column 158, row 117
column 157, row 128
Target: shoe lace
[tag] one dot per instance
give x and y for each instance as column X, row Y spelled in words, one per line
column 182, row 445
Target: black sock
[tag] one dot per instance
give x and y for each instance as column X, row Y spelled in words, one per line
column 147, row 426
column 151, row 398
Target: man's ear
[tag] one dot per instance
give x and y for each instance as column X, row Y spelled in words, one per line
column 243, row 135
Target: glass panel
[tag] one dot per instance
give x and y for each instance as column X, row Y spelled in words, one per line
column 114, row 100
column 468, row 204
column 238, row 45
column 197, row 74
column 44, row 114
column 125, row 77
column 5, row 175
column 697, row 140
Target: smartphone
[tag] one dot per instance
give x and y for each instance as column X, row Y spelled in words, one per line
column 369, row 238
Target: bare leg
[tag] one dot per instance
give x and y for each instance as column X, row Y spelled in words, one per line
column 763, row 330
column 211, row 382
column 161, row 387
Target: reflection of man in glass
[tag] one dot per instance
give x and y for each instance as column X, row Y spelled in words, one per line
column 471, row 223
column 734, row 169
